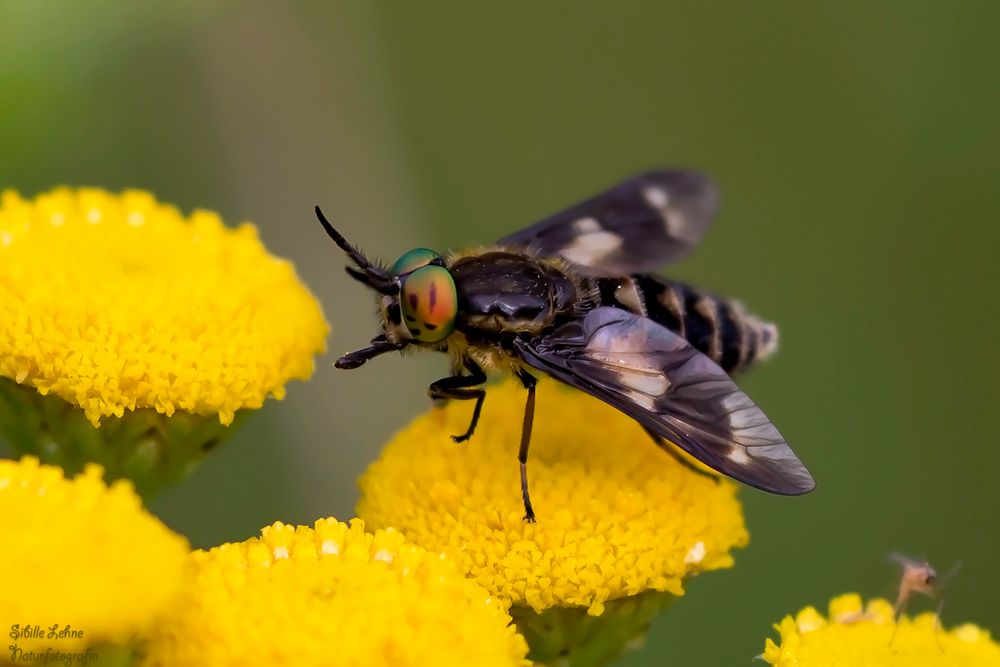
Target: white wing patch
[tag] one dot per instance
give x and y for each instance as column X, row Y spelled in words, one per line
column 656, row 196
column 674, row 219
column 641, row 399
column 738, row 455
column 592, row 244
column 634, row 368
column 653, row 384
column 587, row 226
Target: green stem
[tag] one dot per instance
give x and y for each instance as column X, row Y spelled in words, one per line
column 568, row 637
column 150, row 449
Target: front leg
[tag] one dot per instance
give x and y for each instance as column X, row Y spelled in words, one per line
column 380, row 345
column 463, row 388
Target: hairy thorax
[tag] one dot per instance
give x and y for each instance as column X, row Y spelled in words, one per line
column 503, row 294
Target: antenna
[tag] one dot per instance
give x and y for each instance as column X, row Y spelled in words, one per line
column 369, row 274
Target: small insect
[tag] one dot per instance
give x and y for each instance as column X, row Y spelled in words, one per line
column 917, row 577
column 572, row 297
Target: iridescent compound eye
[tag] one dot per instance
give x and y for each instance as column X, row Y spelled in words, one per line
column 413, row 260
column 429, row 302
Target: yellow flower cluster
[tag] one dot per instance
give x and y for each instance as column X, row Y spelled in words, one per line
column 859, row 635
column 331, row 595
column 616, row 515
column 116, row 302
column 81, row 554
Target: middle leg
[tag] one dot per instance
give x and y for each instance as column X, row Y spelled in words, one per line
column 463, row 388
column 529, row 381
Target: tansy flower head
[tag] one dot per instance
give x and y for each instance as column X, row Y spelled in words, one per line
column 854, row 634
column 117, row 302
column 117, row 305
column 616, row 515
column 331, row 595
column 81, row 554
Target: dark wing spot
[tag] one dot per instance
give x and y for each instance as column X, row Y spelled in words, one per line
column 412, row 298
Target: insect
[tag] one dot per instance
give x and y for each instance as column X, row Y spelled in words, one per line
column 572, row 297
column 916, row 577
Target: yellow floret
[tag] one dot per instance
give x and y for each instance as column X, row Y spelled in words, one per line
column 858, row 635
column 81, row 554
column 116, row 302
column 331, row 595
column 616, row 515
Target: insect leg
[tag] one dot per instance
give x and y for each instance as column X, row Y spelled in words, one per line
column 379, row 346
column 529, row 383
column 899, row 608
column 937, row 626
column 463, row 388
column 670, row 448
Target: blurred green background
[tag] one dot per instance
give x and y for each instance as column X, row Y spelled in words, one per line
column 856, row 144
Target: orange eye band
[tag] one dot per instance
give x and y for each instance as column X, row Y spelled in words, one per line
column 429, row 302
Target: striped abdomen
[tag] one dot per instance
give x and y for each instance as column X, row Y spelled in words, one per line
column 721, row 329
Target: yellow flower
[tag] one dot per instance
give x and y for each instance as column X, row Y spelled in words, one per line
column 617, row 517
column 859, row 635
column 116, row 310
column 331, row 595
column 116, row 302
column 81, row 554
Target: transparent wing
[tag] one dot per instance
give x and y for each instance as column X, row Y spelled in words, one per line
column 635, row 227
column 657, row 378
